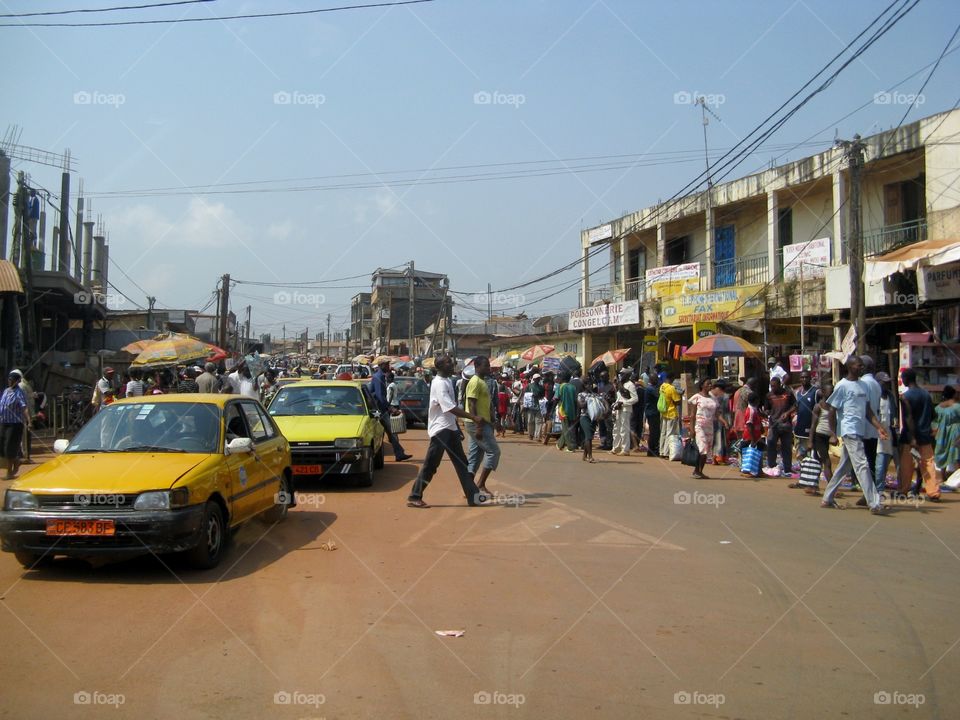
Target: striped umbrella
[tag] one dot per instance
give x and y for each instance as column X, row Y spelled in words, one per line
column 536, row 352
column 611, row 357
column 721, row 345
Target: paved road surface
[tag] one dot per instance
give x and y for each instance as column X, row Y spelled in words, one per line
column 623, row 589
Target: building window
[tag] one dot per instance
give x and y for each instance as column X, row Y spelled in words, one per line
column 784, row 233
column 678, row 250
column 617, row 274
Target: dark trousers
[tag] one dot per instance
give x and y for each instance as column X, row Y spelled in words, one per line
column 870, row 450
column 653, row 441
column 606, row 433
column 394, row 440
column 782, row 436
column 445, row 441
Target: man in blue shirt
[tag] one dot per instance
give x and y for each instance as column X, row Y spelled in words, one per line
column 850, row 403
column 378, row 387
column 917, row 434
column 13, row 417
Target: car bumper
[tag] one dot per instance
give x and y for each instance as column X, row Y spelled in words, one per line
column 332, row 462
column 136, row 533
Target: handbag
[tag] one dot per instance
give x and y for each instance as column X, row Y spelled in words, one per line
column 690, row 454
column 810, row 471
column 398, row 424
column 750, row 457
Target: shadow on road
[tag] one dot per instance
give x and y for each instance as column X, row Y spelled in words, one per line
column 254, row 545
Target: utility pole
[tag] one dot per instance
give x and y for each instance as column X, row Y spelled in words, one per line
column 411, row 329
column 151, row 301
column 224, row 305
column 858, row 312
column 328, row 334
column 249, row 308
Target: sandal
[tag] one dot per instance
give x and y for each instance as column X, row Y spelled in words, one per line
column 831, row 505
column 417, row 504
column 813, row 492
column 794, row 486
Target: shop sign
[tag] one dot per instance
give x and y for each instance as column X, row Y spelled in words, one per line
column 673, row 280
column 814, row 256
column 605, row 315
column 703, row 329
column 739, row 303
column 939, row 282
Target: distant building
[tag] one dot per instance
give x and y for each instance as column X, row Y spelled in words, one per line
column 390, row 301
column 361, row 323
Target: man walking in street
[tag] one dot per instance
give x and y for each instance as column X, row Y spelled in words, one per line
column 207, row 382
column 103, row 393
column 623, row 413
column 534, row 419
column 567, row 401
column 780, row 407
column 482, row 438
column 917, row 436
column 14, row 417
column 445, row 436
column 378, row 387
column 874, row 391
column 651, row 394
column 806, row 401
column 850, row 402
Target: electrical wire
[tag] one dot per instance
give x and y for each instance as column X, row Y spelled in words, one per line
column 47, row 13
column 221, row 18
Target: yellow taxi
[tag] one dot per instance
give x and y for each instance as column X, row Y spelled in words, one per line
column 332, row 427
column 157, row 474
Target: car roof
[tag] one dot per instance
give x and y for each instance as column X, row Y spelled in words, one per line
column 194, row 398
column 329, row 383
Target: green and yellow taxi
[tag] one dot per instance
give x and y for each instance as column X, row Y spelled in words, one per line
column 157, row 474
column 332, row 427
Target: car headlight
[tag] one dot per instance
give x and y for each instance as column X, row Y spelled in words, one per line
column 20, row 500
column 346, row 442
column 162, row 499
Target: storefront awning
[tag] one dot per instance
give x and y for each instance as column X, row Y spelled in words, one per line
column 920, row 254
column 9, row 278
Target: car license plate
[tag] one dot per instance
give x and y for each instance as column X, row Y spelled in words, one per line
column 80, row 527
column 307, row 469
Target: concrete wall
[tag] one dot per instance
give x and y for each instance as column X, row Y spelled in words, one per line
column 812, row 213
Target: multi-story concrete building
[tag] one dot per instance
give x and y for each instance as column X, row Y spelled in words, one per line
column 361, row 323
column 740, row 257
column 392, row 291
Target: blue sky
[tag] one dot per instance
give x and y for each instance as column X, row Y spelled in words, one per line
column 369, row 92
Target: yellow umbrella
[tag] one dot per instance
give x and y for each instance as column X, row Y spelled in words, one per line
column 383, row 359
column 175, row 348
column 136, row 347
column 361, row 359
column 427, row 363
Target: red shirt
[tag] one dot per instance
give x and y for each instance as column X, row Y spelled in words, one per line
column 752, row 430
column 503, row 403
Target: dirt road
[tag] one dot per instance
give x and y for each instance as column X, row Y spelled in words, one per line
column 623, row 589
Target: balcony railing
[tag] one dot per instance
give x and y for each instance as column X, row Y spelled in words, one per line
column 889, row 237
column 599, row 294
column 746, row 270
column 635, row 290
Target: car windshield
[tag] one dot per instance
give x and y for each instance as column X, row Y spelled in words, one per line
column 151, row 427
column 318, row 400
column 412, row 386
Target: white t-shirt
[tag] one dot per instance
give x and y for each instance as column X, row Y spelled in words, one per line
column 442, row 401
column 778, row 372
column 243, row 385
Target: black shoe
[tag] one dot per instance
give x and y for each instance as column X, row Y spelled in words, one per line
column 862, row 502
column 405, row 456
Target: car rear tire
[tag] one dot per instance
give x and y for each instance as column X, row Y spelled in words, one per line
column 213, row 539
column 283, row 500
column 31, row 560
column 366, row 480
column 378, row 459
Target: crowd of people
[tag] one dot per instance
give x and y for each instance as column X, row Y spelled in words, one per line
column 766, row 425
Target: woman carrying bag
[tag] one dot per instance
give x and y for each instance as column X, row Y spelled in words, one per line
column 701, row 424
column 750, row 452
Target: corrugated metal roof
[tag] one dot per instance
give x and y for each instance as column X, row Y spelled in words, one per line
column 9, row 278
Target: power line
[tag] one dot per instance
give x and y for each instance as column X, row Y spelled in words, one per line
column 171, row 21
column 107, row 9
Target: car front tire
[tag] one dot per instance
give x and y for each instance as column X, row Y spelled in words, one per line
column 31, row 560
column 213, row 539
column 366, row 480
column 283, row 501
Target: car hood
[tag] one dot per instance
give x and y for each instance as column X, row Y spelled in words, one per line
column 319, row 428
column 111, row 472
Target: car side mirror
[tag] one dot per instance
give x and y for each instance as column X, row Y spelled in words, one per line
column 60, row 446
column 239, row 445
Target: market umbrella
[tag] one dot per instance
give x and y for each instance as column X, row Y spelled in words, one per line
column 611, row 357
column 175, row 348
column 428, row 363
column 721, row 345
column 361, row 359
column 536, row 352
column 383, row 358
column 136, row 347
column 499, row 361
